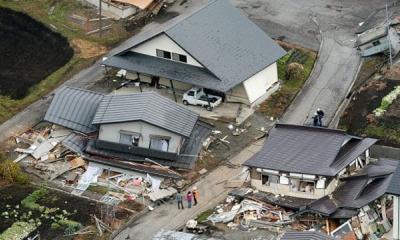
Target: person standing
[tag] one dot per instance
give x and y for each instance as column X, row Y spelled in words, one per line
column 195, row 195
column 179, row 199
column 321, row 114
column 189, row 198
column 316, row 120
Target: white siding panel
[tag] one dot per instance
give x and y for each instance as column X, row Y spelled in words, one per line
column 257, row 86
column 111, row 133
column 163, row 42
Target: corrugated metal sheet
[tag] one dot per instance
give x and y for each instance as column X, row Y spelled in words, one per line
column 74, row 108
column 149, row 107
column 305, row 236
column 223, row 40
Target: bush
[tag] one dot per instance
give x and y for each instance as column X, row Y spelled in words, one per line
column 12, row 172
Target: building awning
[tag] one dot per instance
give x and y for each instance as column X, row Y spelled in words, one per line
column 142, row 4
column 155, row 66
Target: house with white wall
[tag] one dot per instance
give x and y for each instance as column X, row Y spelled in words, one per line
column 215, row 47
column 135, row 128
column 306, row 162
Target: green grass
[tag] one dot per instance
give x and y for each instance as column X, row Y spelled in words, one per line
column 204, row 215
column 276, row 105
column 382, row 131
column 98, row 189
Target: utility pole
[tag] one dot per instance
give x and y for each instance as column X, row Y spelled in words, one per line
column 100, row 16
column 388, row 35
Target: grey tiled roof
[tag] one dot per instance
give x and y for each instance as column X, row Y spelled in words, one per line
column 305, row 236
column 221, row 39
column 74, row 108
column 149, row 107
column 309, row 150
column 156, row 66
column 75, row 142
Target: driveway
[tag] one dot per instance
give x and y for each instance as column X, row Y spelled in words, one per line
column 211, row 190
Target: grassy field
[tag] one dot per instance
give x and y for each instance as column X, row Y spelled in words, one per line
column 54, row 14
column 293, row 70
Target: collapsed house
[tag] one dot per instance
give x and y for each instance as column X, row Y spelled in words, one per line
column 335, row 174
column 306, row 162
column 124, row 8
column 215, row 47
column 366, row 197
column 143, row 132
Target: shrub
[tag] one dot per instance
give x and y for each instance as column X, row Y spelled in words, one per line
column 12, row 172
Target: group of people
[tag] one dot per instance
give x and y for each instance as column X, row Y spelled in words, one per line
column 191, row 197
column 317, row 118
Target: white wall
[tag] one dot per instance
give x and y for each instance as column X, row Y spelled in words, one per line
column 111, row 133
column 256, row 87
column 163, row 42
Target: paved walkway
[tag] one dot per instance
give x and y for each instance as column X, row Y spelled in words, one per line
column 212, row 191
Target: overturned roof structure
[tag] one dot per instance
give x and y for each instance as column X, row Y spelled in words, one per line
column 149, row 107
column 74, row 108
column 309, row 150
column 227, row 44
column 358, row 190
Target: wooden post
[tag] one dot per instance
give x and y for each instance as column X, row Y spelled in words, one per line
column 173, row 90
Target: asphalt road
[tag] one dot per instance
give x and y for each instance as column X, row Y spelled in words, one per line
column 308, row 23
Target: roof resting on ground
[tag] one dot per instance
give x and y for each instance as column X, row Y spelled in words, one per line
column 74, row 108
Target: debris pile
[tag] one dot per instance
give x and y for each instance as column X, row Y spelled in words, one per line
column 240, row 212
column 43, row 154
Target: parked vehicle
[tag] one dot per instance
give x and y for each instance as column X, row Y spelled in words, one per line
column 197, row 96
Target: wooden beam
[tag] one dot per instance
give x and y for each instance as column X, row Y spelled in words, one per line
column 173, row 90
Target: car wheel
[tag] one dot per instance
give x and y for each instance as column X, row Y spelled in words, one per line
column 209, row 108
column 185, row 102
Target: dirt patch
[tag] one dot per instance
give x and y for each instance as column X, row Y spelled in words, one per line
column 30, row 52
column 86, row 49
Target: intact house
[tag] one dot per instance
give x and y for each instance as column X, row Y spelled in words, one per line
column 306, row 162
column 142, row 132
column 214, row 47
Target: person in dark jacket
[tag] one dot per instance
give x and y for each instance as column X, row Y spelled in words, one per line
column 179, row 199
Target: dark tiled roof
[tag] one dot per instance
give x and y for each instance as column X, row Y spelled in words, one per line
column 149, row 107
column 305, row 236
column 223, row 40
column 356, row 191
column 308, row 150
column 75, row 142
column 74, row 108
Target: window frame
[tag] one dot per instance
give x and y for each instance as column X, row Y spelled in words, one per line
column 160, row 137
